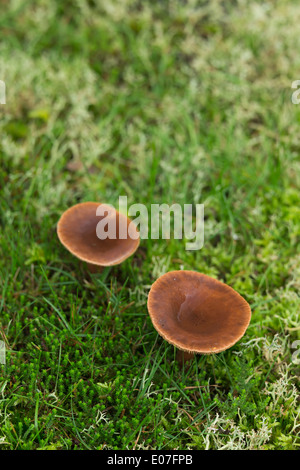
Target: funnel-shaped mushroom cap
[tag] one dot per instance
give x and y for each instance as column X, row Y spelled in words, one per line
column 77, row 231
column 197, row 313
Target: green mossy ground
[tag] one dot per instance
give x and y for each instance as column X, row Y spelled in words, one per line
column 186, row 102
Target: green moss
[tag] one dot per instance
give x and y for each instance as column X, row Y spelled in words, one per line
column 168, row 102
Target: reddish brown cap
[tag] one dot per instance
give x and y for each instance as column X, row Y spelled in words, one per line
column 197, row 313
column 76, row 229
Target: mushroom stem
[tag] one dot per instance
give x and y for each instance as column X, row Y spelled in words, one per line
column 184, row 356
column 93, row 268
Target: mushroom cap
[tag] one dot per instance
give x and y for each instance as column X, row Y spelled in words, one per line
column 196, row 312
column 76, row 230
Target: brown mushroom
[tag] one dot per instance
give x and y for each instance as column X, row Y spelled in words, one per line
column 197, row 313
column 77, row 231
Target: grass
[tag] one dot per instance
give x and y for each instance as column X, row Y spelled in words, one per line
column 185, row 102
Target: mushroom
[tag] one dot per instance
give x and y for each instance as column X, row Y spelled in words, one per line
column 77, row 231
column 197, row 313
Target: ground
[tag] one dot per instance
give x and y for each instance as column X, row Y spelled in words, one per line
column 164, row 102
